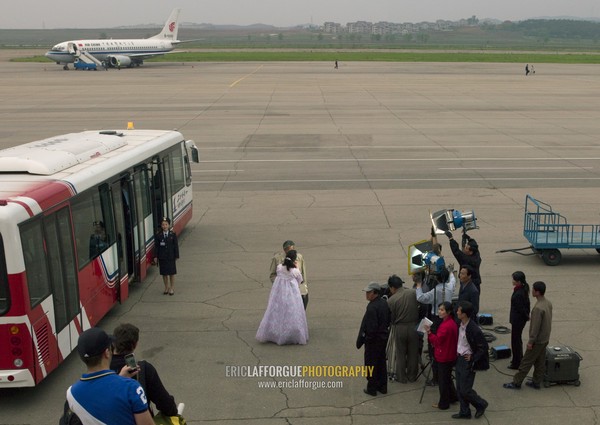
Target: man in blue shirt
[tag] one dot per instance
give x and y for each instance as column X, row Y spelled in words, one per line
column 101, row 396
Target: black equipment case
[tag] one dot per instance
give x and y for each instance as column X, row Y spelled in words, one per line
column 562, row 366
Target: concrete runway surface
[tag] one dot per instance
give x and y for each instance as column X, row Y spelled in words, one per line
column 347, row 163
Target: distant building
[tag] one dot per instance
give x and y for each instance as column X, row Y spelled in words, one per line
column 383, row 27
column 332, row 28
column 359, row 27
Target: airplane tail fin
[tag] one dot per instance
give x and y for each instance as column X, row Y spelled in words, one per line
column 169, row 31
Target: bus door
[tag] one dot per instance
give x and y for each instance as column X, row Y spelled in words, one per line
column 4, row 292
column 167, row 189
column 157, row 194
column 117, row 205
column 161, row 191
column 123, row 208
column 144, row 232
column 60, row 255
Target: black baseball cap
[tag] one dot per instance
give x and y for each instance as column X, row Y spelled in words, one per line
column 93, row 342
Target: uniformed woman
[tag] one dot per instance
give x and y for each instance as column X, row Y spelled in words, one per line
column 166, row 252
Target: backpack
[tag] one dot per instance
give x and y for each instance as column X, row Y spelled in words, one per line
column 69, row 417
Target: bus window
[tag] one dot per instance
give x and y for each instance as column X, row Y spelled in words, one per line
column 107, row 215
column 178, row 171
column 91, row 235
column 142, row 194
column 61, row 260
column 143, row 208
column 157, row 195
column 168, row 188
column 4, row 293
column 188, row 170
column 34, row 254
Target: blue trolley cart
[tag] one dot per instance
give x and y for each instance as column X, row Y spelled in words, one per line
column 549, row 231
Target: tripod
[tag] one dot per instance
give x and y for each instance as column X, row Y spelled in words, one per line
column 425, row 367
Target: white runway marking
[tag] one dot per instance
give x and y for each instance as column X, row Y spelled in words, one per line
column 350, row 147
column 516, row 168
column 401, row 180
column 217, row 171
column 217, row 161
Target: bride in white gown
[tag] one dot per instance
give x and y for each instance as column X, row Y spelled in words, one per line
column 284, row 321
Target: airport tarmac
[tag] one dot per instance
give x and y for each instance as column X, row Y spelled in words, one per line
column 348, row 163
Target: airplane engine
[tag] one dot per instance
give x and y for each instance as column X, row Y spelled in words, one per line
column 119, row 60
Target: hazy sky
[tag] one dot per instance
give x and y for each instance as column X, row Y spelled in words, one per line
column 110, row 13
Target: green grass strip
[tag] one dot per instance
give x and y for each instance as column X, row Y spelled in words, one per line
column 363, row 56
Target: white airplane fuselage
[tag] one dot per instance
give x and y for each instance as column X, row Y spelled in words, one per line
column 102, row 50
column 124, row 52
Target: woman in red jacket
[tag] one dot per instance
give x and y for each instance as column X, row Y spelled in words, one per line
column 444, row 342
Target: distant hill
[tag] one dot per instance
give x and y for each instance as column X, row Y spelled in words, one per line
column 568, row 18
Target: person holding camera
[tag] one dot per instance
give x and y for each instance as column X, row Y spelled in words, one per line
column 126, row 337
column 101, row 395
column 468, row 256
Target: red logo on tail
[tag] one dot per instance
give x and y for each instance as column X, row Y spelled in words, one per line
column 171, row 26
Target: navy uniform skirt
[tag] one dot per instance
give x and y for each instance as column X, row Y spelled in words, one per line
column 167, row 267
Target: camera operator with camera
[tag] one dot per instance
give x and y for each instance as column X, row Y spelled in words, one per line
column 468, row 256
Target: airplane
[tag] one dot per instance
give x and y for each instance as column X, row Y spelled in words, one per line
column 117, row 53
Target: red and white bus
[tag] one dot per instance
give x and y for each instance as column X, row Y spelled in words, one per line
column 78, row 213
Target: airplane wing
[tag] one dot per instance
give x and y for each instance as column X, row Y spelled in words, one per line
column 147, row 55
column 187, row 41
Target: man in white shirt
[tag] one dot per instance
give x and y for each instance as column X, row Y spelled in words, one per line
column 472, row 350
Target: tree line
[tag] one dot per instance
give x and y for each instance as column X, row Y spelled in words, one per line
column 555, row 28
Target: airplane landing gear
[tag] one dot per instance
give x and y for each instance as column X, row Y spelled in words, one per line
column 66, row 67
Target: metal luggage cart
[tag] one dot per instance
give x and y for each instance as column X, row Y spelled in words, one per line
column 548, row 231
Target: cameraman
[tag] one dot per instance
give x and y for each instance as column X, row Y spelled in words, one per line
column 443, row 290
column 468, row 256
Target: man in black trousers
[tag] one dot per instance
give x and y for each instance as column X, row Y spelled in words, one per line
column 472, row 355
column 373, row 334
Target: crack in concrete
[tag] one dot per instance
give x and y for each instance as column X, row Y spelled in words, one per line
column 357, row 160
